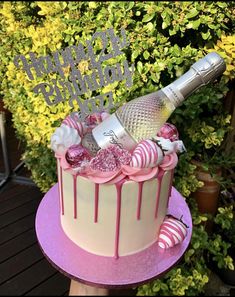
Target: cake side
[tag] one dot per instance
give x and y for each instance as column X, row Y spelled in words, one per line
column 113, row 219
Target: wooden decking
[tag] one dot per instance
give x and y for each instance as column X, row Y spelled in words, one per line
column 23, row 268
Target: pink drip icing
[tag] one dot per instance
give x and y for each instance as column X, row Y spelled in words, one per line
column 118, row 217
column 159, row 178
column 96, row 202
column 170, row 186
column 75, row 195
column 140, row 184
column 61, row 192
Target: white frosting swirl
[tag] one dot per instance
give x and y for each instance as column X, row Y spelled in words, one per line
column 63, row 138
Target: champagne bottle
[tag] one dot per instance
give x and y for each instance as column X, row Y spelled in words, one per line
column 142, row 118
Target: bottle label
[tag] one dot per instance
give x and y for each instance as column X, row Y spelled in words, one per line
column 112, row 132
column 173, row 94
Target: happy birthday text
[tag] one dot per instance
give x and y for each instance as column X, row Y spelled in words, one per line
column 76, row 82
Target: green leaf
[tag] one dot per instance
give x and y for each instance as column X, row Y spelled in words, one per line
column 92, row 5
column 172, row 32
column 135, row 54
column 148, row 17
column 155, row 77
column 150, row 26
column 221, row 4
column 206, row 35
column 146, row 55
column 196, row 24
column 140, row 66
column 131, row 5
column 156, row 287
column 164, row 25
column 196, row 245
column 192, row 13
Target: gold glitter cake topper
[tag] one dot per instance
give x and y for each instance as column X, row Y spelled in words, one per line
column 76, row 83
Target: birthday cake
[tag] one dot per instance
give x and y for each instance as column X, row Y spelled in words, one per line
column 114, row 202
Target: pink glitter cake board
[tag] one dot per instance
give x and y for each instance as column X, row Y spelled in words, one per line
column 100, row 271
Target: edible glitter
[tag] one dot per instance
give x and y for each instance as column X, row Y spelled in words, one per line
column 110, row 159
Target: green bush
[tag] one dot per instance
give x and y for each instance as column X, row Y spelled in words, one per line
column 165, row 39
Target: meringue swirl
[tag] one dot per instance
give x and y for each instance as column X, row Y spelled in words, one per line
column 64, row 137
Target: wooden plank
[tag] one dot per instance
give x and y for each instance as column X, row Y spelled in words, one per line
column 17, row 244
column 18, row 213
column 17, row 228
column 21, row 198
column 28, row 279
column 20, row 262
column 57, row 285
column 12, row 190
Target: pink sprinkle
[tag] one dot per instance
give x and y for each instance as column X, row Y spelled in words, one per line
column 104, row 161
column 122, row 155
column 110, row 159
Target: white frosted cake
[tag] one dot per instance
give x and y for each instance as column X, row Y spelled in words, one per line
column 113, row 203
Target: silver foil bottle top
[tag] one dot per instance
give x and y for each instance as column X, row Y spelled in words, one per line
column 210, row 67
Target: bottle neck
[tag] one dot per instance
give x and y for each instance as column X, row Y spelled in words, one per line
column 183, row 86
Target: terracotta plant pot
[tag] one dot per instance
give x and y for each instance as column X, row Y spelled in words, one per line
column 207, row 196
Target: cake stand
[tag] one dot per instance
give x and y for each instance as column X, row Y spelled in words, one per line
column 97, row 274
